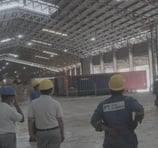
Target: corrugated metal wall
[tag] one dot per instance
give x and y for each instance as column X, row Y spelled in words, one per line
column 135, row 80
column 98, row 84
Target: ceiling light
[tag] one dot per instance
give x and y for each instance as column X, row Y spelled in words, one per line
column 15, row 71
column 48, row 52
column 41, row 57
column 6, row 40
column 13, row 55
column 93, row 39
column 7, row 63
column 65, row 50
column 20, row 36
column 24, row 67
column 41, row 42
column 55, row 32
column 3, row 67
column 121, row 0
column 4, row 81
column 29, row 43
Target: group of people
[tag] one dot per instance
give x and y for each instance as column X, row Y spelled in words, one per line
column 117, row 116
column 45, row 117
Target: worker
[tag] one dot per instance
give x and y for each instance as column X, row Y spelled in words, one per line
column 47, row 115
column 118, row 116
column 35, row 93
column 155, row 91
column 8, row 117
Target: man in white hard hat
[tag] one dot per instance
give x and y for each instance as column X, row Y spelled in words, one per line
column 9, row 117
column 114, row 116
column 48, row 116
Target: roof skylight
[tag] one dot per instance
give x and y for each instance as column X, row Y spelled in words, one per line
column 41, row 57
column 54, row 32
column 38, row 6
column 41, row 42
column 6, row 40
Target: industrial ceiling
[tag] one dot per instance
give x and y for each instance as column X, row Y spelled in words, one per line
column 52, row 34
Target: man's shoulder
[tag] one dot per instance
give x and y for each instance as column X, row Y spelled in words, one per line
column 5, row 105
column 129, row 98
column 55, row 101
column 105, row 101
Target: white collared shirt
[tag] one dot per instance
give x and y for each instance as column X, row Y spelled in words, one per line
column 8, row 118
column 45, row 110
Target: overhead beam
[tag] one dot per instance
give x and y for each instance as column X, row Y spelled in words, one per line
column 6, row 58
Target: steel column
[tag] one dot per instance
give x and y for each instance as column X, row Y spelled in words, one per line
column 101, row 63
column 114, row 61
column 131, row 64
column 91, row 65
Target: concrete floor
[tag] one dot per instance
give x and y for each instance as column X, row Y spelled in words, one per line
column 80, row 134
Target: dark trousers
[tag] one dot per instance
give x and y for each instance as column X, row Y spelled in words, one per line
column 8, row 140
column 48, row 139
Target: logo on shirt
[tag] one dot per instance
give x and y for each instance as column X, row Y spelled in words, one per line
column 114, row 106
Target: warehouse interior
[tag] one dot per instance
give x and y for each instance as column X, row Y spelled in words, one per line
column 77, row 44
column 49, row 38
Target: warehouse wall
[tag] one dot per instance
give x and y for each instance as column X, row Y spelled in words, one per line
column 85, row 64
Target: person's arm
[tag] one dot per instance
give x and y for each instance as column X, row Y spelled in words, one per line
column 18, row 109
column 31, row 129
column 61, row 126
column 31, row 124
column 96, row 119
column 59, row 117
column 139, row 116
column 138, row 111
column 99, row 125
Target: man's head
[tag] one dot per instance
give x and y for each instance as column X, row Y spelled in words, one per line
column 7, row 94
column 46, row 87
column 117, row 83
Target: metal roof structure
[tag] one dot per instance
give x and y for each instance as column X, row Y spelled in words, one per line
column 70, row 29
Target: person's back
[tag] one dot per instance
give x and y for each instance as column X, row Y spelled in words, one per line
column 45, row 110
column 48, row 116
column 114, row 116
column 8, row 118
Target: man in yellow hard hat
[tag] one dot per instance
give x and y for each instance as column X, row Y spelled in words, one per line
column 35, row 93
column 48, row 116
column 114, row 116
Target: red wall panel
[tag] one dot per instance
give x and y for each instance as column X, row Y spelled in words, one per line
column 135, row 80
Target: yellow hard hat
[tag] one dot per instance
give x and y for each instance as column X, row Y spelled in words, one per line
column 46, row 84
column 35, row 83
column 117, row 82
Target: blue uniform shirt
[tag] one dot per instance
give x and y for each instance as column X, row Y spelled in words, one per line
column 116, row 112
column 35, row 94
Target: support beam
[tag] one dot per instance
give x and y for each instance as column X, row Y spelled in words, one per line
column 154, row 56
column 131, row 63
column 91, row 65
column 151, row 62
column 101, row 63
column 30, row 63
column 80, row 69
column 114, row 61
